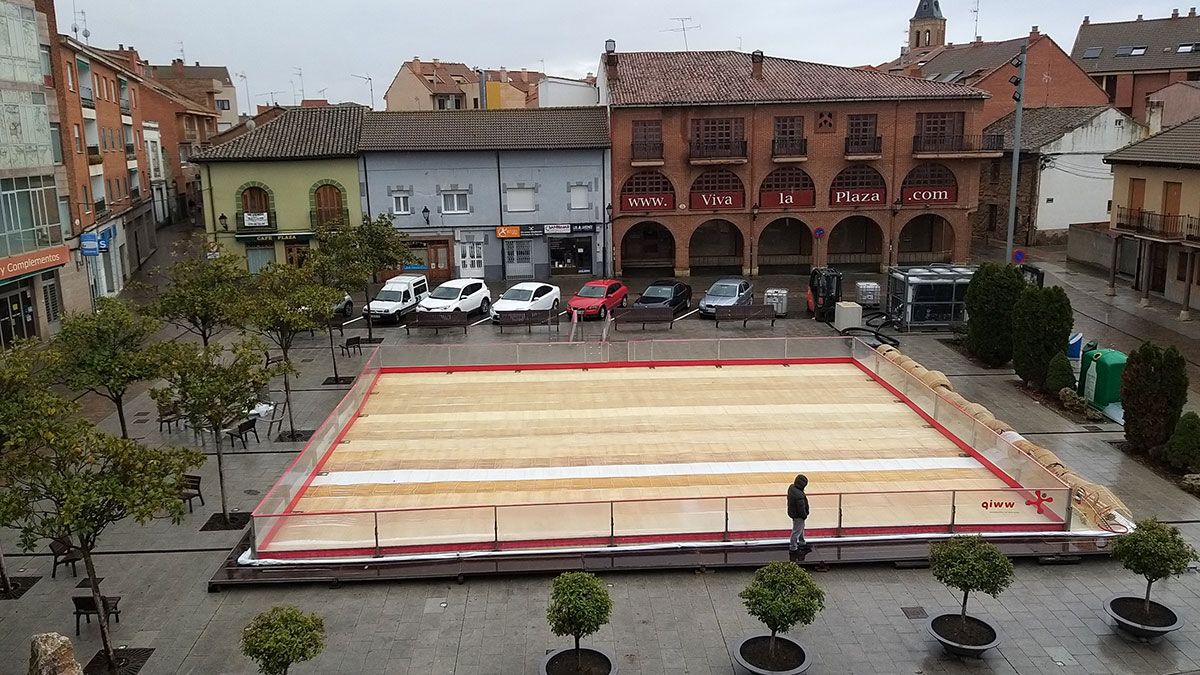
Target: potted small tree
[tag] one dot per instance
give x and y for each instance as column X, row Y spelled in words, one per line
column 579, row 606
column 1155, row 551
column 281, row 636
column 968, row 564
column 780, row 595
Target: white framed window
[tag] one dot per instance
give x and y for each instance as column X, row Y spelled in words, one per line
column 520, row 199
column 400, row 205
column 455, row 202
column 579, row 197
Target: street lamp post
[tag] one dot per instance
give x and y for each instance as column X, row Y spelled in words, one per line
column 1019, row 96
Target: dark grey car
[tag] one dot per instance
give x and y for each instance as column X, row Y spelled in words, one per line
column 725, row 293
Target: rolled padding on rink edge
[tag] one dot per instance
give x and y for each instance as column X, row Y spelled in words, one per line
column 935, row 379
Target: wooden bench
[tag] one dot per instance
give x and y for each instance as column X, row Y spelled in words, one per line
column 529, row 318
column 85, row 606
column 644, row 315
column 190, row 489
column 437, row 321
column 745, row 313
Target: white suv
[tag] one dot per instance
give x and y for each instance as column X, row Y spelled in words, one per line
column 458, row 295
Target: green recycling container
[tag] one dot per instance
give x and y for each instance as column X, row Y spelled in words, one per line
column 1100, row 376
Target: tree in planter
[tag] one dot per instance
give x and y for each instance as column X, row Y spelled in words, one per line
column 66, row 481
column 991, row 295
column 107, row 352
column 1059, row 374
column 214, row 388
column 781, row 595
column 379, row 246
column 282, row 302
column 1042, row 321
column 1183, row 450
column 1153, row 392
column 22, row 379
column 579, row 606
column 1154, row 551
column 970, row 564
column 200, row 294
column 337, row 263
column 282, row 636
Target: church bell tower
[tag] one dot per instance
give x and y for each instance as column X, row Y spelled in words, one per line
column 927, row 28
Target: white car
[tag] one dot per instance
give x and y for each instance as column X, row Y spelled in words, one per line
column 458, row 295
column 527, row 295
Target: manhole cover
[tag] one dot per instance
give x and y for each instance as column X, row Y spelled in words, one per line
column 252, row 492
column 915, row 612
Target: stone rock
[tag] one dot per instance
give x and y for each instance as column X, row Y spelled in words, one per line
column 52, row 654
column 1191, row 483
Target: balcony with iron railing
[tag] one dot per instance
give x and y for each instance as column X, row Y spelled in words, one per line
column 328, row 217
column 644, row 153
column 93, row 155
column 718, row 152
column 126, row 106
column 1158, row 225
column 958, row 145
column 257, row 222
column 101, row 206
column 784, row 149
column 86, row 97
column 864, row 146
column 130, row 151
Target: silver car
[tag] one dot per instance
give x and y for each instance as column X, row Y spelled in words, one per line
column 725, row 293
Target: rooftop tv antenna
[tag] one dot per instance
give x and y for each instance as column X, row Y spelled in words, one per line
column 300, row 73
column 975, row 11
column 182, row 54
column 370, row 84
column 685, row 24
column 80, row 17
column 271, row 95
column 246, row 83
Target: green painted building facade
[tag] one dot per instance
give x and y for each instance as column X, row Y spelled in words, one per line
column 268, row 190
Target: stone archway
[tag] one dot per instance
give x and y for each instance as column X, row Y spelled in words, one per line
column 856, row 243
column 648, row 248
column 716, row 248
column 927, row 238
column 785, row 246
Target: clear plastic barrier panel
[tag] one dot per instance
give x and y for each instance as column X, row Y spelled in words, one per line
column 434, row 527
column 414, row 354
column 765, row 348
column 487, row 354
column 896, row 509
column 549, row 524
column 305, row 532
column 668, row 517
column 1040, row 509
column 555, row 352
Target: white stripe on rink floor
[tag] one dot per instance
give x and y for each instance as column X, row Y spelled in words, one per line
column 644, row 470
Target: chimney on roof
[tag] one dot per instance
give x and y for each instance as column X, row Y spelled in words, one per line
column 1033, row 32
column 1139, row 17
column 1175, row 14
column 756, row 64
column 197, row 63
column 912, row 70
column 503, row 74
column 525, row 75
column 436, row 62
column 978, row 39
column 177, row 66
column 120, row 47
column 1192, row 12
column 610, row 59
column 1086, row 19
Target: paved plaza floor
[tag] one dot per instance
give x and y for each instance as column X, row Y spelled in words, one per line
column 1051, row 620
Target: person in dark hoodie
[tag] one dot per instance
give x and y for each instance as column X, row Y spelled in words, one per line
column 797, row 509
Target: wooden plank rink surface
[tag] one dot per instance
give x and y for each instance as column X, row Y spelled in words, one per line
column 414, row 426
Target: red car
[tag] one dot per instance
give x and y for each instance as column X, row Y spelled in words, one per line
column 597, row 297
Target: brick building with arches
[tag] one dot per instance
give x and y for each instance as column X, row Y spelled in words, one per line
column 730, row 162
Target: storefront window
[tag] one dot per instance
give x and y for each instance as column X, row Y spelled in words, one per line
column 570, row 255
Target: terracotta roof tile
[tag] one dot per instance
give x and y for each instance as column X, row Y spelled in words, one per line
column 298, row 133
column 509, row 129
column 709, row 78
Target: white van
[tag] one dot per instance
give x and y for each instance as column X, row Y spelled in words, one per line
column 399, row 296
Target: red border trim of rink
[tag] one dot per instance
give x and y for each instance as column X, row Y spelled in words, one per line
column 641, row 539
column 395, row 370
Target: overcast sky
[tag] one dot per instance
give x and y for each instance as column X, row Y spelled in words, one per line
column 268, row 39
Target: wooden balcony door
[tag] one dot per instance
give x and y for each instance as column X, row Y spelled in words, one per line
column 329, row 205
column 1137, row 194
column 1170, row 198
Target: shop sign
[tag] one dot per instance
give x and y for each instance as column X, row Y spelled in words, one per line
column 275, row 236
column 651, row 201
column 569, row 228
column 774, row 199
column 558, row 228
column 532, row 230
column 583, row 228
column 718, row 200
column 930, row 195
column 105, row 238
column 858, row 196
column 89, row 244
column 256, row 220
column 517, row 231
column 34, row 261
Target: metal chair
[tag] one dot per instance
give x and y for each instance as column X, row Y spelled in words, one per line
column 243, row 430
column 85, row 606
column 64, row 554
column 190, row 489
column 277, row 418
column 353, row 344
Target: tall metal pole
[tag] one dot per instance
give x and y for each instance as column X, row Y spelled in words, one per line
column 1016, row 160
